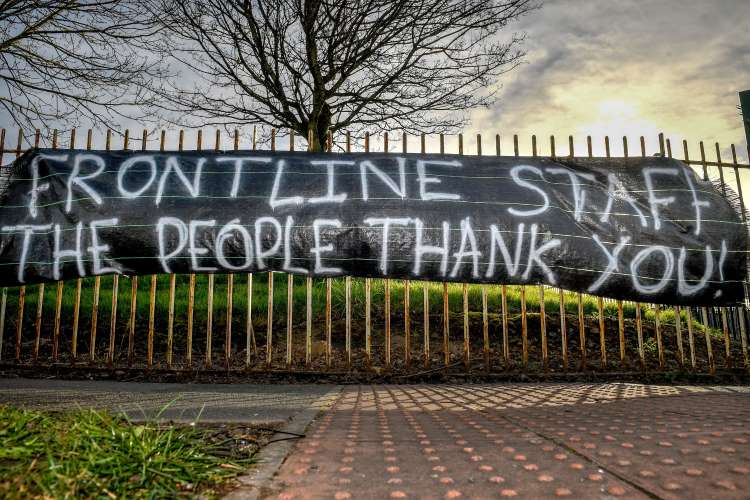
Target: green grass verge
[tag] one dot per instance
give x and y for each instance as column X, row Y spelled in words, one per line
column 94, row 454
column 260, row 299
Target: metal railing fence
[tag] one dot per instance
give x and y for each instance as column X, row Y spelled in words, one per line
column 277, row 321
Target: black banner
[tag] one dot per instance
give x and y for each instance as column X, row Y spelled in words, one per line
column 644, row 229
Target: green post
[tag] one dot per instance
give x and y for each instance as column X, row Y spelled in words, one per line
column 745, row 107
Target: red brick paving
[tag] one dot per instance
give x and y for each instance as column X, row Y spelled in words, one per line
column 525, row 441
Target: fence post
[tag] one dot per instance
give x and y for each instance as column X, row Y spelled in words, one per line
column 745, row 109
column 249, row 330
column 230, row 277
column 76, row 316
column 368, row 295
column 602, row 334
column 524, row 332
column 348, row 313
column 38, row 321
column 582, row 331
column 170, row 319
column 446, row 326
column 657, row 328
column 563, row 329
column 691, row 337
column 19, row 321
column 387, row 295
column 3, row 306
column 407, row 324
column 485, row 330
column 132, row 317
column 151, row 321
column 308, row 321
column 738, row 181
column 506, row 340
column 467, row 347
column 709, row 349
column 4, row 299
column 113, row 320
column 22, row 289
column 289, row 319
column 269, row 321
column 407, row 289
column 425, row 296
column 639, row 331
column 329, row 327
column 678, row 334
column 743, row 335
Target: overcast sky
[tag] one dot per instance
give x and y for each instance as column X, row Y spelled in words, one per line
column 618, row 67
column 628, row 67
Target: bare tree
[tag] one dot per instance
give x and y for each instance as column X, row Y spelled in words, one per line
column 318, row 65
column 74, row 59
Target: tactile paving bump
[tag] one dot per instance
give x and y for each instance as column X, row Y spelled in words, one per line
column 525, row 441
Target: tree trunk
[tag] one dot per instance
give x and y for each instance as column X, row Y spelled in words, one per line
column 318, row 127
column 319, row 138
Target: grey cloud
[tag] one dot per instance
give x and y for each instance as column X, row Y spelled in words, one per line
column 700, row 42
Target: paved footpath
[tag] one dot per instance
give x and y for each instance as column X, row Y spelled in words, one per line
column 258, row 404
column 526, row 441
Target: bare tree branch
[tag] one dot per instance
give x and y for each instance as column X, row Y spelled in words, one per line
column 318, row 65
column 76, row 60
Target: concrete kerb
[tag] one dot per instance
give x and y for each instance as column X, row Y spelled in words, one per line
column 258, row 481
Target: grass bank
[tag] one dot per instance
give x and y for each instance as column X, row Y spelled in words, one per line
column 259, row 299
column 96, row 454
